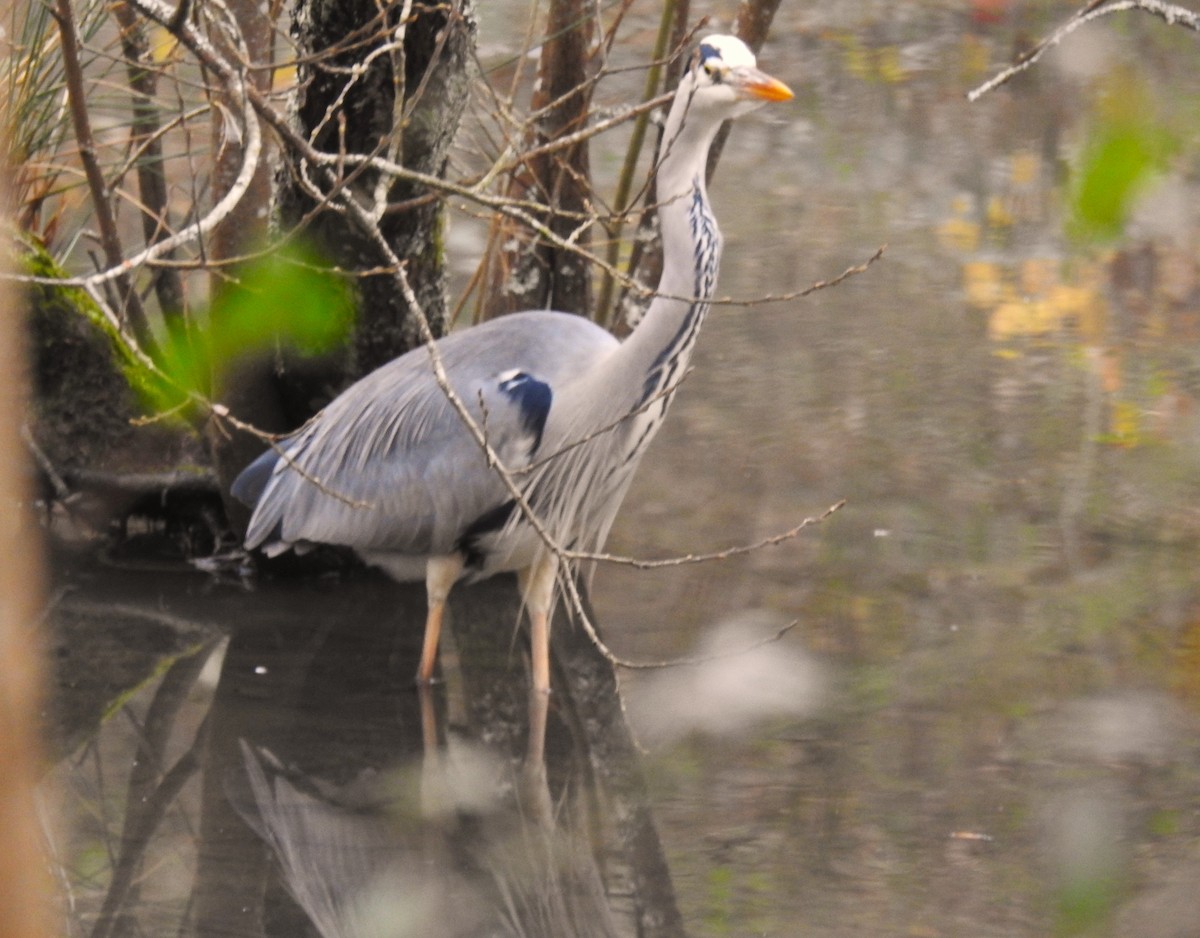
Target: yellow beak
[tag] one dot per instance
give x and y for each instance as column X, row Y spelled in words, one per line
column 755, row 84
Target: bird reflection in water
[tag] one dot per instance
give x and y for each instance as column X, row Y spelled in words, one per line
column 409, row 489
column 389, row 813
column 457, row 861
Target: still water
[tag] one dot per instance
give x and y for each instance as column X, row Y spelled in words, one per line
column 986, row 720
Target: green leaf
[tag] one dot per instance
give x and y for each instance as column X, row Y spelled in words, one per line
column 1126, row 148
column 288, row 297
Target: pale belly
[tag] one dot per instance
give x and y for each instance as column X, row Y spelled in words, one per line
column 515, row 550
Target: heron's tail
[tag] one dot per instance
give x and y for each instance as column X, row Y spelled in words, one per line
column 248, row 487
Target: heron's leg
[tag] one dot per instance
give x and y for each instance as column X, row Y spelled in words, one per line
column 537, row 590
column 440, row 574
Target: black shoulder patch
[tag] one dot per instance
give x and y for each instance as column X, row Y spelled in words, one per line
column 533, row 398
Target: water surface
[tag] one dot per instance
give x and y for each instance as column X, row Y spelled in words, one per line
column 985, row 720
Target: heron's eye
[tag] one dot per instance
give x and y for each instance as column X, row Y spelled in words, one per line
column 709, row 59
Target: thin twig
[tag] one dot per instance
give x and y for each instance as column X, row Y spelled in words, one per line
column 61, row 489
column 565, row 576
column 1169, row 12
column 807, row 291
column 708, row 557
column 692, row 661
column 222, row 413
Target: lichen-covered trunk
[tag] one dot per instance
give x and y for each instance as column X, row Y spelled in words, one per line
column 374, row 79
column 405, row 105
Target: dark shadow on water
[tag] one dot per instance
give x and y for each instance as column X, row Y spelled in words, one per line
column 318, row 793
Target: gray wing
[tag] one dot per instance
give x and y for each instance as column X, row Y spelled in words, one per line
column 389, row 465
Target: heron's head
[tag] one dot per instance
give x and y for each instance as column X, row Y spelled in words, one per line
column 726, row 76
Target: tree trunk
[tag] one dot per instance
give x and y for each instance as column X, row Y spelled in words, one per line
column 249, row 392
column 405, row 105
column 151, row 173
column 527, row 272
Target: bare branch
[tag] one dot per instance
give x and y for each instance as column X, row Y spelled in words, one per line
column 709, row 557
column 110, row 240
column 807, row 291
column 1170, row 12
column 222, row 413
column 688, row 661
column 566, row 575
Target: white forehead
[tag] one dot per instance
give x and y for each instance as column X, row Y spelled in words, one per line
column 733, row 52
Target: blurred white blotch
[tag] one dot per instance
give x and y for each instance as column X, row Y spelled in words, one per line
column 464, row 778
column 745, row 683
column 1129, row 727
column 1164, row 212
column 1087, row 54
column 1085, row 828
column 352, row 870
column 1084, row 837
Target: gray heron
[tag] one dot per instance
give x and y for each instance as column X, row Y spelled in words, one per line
column 390, row 470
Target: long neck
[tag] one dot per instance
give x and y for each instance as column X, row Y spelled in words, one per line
column 661, row 345
column 606, row 418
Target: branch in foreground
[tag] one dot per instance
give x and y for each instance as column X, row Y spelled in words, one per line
column 698, row 659
column 846, row 274
column 1170, row 12
column 565, row 576
column 329, row 169
column 708, row 557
